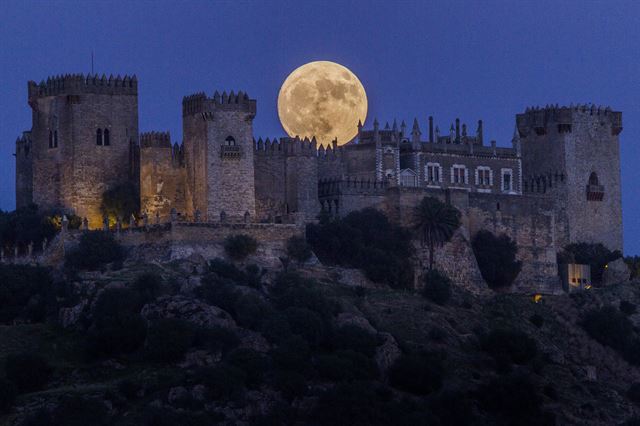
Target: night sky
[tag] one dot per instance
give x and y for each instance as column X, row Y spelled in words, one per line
column 470, row 59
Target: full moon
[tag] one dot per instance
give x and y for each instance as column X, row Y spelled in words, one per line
column 322, row 99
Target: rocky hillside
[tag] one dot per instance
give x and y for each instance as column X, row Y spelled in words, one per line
column 200, row 342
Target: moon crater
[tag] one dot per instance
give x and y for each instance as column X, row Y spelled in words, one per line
column 322, row 99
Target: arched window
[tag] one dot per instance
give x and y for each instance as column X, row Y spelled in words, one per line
column 106, row 137
column 595, row 191
column 593, row 179
column 50, row 139
column 55, row 138
column 230, row 141
column 99, row 137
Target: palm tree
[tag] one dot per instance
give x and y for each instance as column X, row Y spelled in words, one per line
column 436, row 222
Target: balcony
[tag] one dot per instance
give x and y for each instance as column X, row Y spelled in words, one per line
column 595, row 192
column 230, row 152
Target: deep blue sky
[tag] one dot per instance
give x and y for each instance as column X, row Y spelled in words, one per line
column 472, row 59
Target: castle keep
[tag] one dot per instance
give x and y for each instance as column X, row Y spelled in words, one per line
column 558, row 183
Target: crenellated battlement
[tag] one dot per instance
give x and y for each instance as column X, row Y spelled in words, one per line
column 334, row 186
column 200, row 103
column 155, row 140
column 541, row 120
column 287, row 146
column 76, row 84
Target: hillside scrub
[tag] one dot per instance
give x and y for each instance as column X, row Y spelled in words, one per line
column 366, row 240
column 27, row 293
column 238, row 247
column 95, row 250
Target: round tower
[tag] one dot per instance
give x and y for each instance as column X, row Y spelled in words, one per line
column 84, row 136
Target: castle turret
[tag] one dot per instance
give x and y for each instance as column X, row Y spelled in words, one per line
column 218, row 143
column 84, row 138
column 580, row 144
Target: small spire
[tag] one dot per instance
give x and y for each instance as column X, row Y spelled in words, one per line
column 386, row 126
column 395, row 125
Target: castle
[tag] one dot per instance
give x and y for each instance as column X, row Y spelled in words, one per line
column 558, row 183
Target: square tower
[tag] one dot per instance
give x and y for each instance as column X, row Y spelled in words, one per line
column 573, row 154
column 219, row 149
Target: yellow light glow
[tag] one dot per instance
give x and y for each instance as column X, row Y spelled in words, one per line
column 537, row 298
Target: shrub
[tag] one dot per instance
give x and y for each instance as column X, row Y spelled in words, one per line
column 291, row 290
column 223, row 381
column 298, row 249
column 128, row 389
column 437, row 287
column 121, row 201
column 292, row 354
column 346, row 366
column 148, row 286
column 612, row 328
column 28, row 372
column 595, row 255
column 496, row 258
column 419, row 374
column 25, row 292
column 225, row 269
column 306, row 324
column 239, row 246
column 218, row 292
column 351, row 337
column 276, row 328
column 117, row 326
column 251, row 362
column 509, row 345
column 537, row 320
column 8, row 395
column 627, row 308
column 366, row 240
column 633, row 262
column 437, row 334
column 168, row 339
column 79, row 411
column 25, row 225
column 250, row 310
column 290, row 383
column 633, row 393
column 215, row 339
column 95, row 249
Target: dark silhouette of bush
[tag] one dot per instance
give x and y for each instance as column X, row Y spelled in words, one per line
column 346, row 366
column 514, row 400
column 250, row 310
column 496, row 257
column 420, row 374
column 633, row 262
column 215, row 339
column 437, row 334
column 252, row 363
column 239, row 246
column 95, row 249
column 129, row 389
column 633, row 393
column 292, row 355
column 612, row 328
column 148, row 286
column 509, row 346
column 223, row 381
column 291, row 384
column 437, row 287
column 168, row 339
column 167, row 416
column 28, row 372
column 537, row 320
column 306, row 323
column 23, row 226
column 351, row 337
column 595, row 255
column 80, row 411
column 121, row 202
column 226, row 269
column 298, row 249
column 8, row 393
column 276, row 328
column 366, row 240
column 291, row 290
column 452, row 407
column 627, row 307
column 26, row 292
column 117, row 326
column 218, row 292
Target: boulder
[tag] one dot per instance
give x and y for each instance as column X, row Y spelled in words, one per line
column 615, row 272
column 187, row 309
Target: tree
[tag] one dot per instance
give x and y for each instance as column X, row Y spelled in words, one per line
column 595, row 255
column 496, row 256
column 436, row 222
column 239, row 246
column 298, row 249
column 120, row 202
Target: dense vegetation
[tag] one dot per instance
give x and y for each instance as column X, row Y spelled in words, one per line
column 633, row 262
column 496, row 257
column 120, row 202
column 366, row 240
column 95, row 250
column 595, row 255
column 240, row 246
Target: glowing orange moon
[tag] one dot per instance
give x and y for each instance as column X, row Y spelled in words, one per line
column 322, row 99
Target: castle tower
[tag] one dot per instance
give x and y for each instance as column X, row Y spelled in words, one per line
column 218, row 143
column 84, row 134
column 573, row 153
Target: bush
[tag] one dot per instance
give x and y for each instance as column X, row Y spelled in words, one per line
column 291, row 355
column 537, row 320
column 612, row 328
column 633, row 262
column 28, row 372
column 239, row 246
column 220, row 293
column 306, row 324
column 496, row 258
column 276, row 328
column 250, row 310
column 25, row 292
column 227, row 270
column 8, row 395
column 354, row 338
column 252, row 363
column 25, row 225
column 148, row 286
column 298, row 249
column 633, row 393
column 168, row 339
column 223, row 381
column 95, row 249
column 509, row 346
column 291, row 290
column 595, row 255
column 419, row 374
column 437, row 287
column 290, row 383
column 216, row 339
column 627, row 308
column 117, row 325
column 366, row 240
column 346, row 366
column 79, row 411
column 121, row 201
